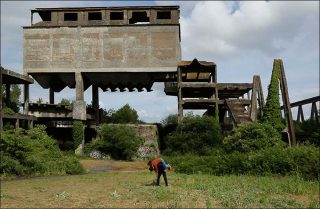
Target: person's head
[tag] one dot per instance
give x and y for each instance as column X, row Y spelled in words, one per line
column 150, row 166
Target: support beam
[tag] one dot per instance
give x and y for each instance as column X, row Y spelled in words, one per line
column 79, row 106
column 253, row 106
column 8, row 95
column 1, row 122
column 95, row 102
column 300, row 116
column 180, row 108
column 17, row 125
column 25, row 98
column 51, row 96
column 286, row 103
column 314, row 112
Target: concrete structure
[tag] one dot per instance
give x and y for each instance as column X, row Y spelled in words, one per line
column 7, row 78
column 196, row 87
column 106, row 47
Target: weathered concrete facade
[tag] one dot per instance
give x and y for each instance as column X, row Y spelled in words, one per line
column 106, row 47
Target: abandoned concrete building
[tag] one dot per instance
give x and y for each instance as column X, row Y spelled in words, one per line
column 125, row 49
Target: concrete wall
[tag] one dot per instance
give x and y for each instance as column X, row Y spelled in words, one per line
column 102, row 49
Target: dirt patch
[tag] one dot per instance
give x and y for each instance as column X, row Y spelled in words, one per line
column 109, row 165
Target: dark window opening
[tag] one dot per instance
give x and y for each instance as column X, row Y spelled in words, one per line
column 164, row 15
column 45, row 16
column 94, row 16
column 139, row 17
column 116, row 15
column 70, row 16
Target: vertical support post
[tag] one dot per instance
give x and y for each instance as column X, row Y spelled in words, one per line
column 51, row 96
column 26, row 99
column 8, row 95
column 314, row 112
column 300, row 116
column 95, row 102
column 253, row 109
column 17, row 125
column 180, row 108
column 216, row 92
column 286, row 103
column 79, row 106
column 1, row 122
column 260, row 96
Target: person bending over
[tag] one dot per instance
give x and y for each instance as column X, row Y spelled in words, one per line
column 159, row 167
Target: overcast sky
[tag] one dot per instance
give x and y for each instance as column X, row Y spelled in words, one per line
column 243, row 38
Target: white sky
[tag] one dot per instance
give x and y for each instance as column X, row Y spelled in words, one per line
column 242, row 37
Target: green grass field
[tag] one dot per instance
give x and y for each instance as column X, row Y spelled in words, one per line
column 130, row 185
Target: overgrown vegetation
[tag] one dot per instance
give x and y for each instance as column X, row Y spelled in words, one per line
column 196, row 134
column 272, row 111
column 303, row 160
column 308, row 132
column 119, row 141
column 33, row 152
column 13, row 105
column 252, row 137
column 77, row 133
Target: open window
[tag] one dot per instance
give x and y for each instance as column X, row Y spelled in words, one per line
column 70, row 16
column 45, row 15
column 94, row 16
column 116, row 15
column 139, row 17
column 163, row 15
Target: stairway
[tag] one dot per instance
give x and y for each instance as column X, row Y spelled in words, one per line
column 238, row 112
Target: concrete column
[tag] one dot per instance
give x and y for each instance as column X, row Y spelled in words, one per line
column 8, row 95
column 95, row 102
column 51, row 96
column 79, row 87
column 180, row 108
column 79, row 106
column 17, row 123
column 26, row 98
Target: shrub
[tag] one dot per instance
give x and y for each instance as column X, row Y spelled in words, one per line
column 308, row 132
column 252, row 137
column 119, row 141
column 273, row 160
column 8, row 111
column 34, row 153
column 77, row 133
column 195, row 134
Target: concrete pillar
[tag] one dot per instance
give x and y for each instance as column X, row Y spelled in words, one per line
column 17, row 123
column 95, row 102
column 8, row 95
column 26, row 99
column 51, row 96
column 79, row 106
column 180, row 108
column 79, row 87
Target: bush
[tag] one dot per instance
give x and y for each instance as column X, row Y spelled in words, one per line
column 119, row 141
column 308, row 132
column 34, row 153
column 273, row 160
column 125, row 114
column 77, row 133
column 195, row 134
column 252, row 137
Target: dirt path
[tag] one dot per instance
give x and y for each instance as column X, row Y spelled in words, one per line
column 108, row 165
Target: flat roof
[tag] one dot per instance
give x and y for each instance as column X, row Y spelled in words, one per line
column 11, row 77
column 101, row 8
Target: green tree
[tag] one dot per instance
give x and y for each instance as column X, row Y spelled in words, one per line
column 125, row 114
column 170, row 120
column 65, row 102
column 272, row 111
column 39, row 101
column 15, row 92
column 120, row 141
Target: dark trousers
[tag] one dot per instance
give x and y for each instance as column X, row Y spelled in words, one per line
column 162, row 171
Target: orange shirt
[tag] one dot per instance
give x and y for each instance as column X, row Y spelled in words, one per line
column 155, row 163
